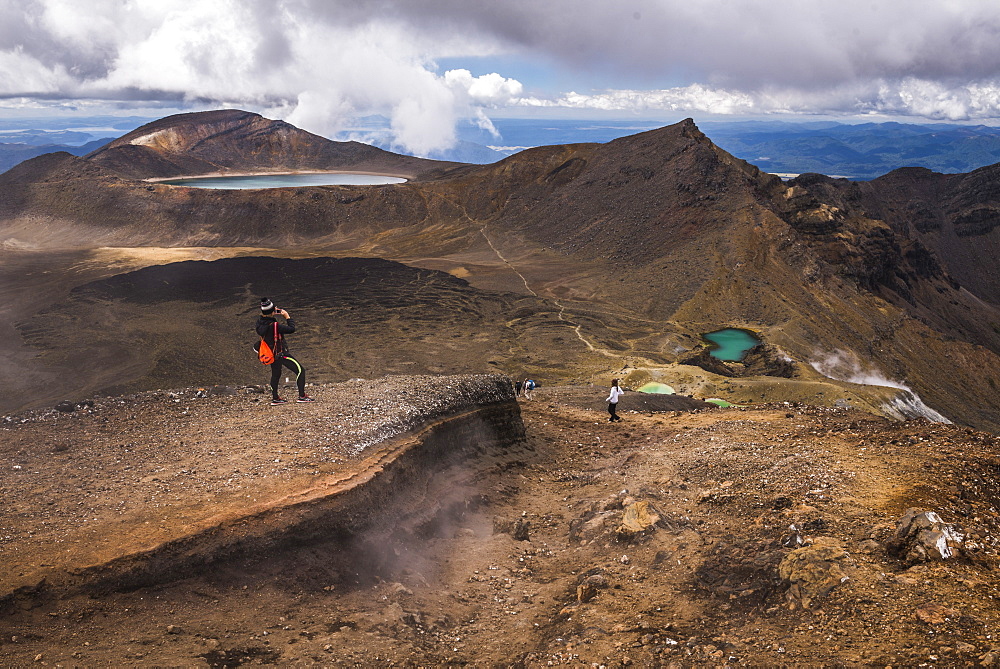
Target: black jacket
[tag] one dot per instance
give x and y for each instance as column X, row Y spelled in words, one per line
column 265, row 328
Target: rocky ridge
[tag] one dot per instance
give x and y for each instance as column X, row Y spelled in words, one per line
column 954, row 215
column 191, row 462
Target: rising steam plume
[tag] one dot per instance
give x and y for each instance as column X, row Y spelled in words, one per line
column 845, row 366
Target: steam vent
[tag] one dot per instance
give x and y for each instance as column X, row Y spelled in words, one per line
column 106, row 503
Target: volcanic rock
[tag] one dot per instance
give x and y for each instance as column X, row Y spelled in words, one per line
column 935, row 614
column 922, row 536
column 813, row 571
column 638, row 519
column 703, row 358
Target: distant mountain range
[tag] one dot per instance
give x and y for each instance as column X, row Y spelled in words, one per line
column 12, row 154
column 858, row 152
column 21, row 139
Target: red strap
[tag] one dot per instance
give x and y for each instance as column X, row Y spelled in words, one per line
column 276, row 346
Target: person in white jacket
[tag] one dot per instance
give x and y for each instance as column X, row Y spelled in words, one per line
column 612, row 401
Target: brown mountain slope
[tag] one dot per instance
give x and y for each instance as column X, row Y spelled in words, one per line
column 661, row 234
column 955, row 215
column 629, row 199
column 658, row 202
column 698, row 238
column 230, row 140
column 922, row 260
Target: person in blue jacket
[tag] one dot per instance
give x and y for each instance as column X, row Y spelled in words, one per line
column 529, row 387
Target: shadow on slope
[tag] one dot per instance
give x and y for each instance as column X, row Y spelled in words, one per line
column 191, row 323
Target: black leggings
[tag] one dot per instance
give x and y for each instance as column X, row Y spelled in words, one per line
column 292, row 364
column 613, row 409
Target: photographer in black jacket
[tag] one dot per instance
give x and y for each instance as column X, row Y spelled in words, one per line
column 273, row 332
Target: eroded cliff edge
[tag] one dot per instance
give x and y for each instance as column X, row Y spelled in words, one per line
column 131, row 491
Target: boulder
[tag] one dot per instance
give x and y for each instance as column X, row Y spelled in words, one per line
column 521, row 530
column 592, row 525
column 935, row 614
column 590, row 584
column 518, row 529
column 738, row 571
column 922, row 536
column 638, row 518
column 813, row 571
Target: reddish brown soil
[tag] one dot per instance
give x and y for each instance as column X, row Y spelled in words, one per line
column 699, row 590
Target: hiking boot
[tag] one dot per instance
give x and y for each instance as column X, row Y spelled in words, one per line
column 278, row 400
column 305, row 398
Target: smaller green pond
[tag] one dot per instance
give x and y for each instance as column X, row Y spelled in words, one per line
column 731, row 344
column 658, row 388
column 719, row 402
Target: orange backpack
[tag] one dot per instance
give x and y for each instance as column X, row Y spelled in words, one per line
column 264, row 352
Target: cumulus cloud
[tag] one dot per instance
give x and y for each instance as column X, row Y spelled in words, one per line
column 908, row 97
column 488, row 89
column 689, row 98
column 294, row 59
column 318, row 63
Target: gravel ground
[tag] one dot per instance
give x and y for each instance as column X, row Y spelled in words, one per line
column 529, row 567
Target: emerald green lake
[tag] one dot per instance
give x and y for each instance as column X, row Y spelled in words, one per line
column 285, row 181
column 731, row 344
